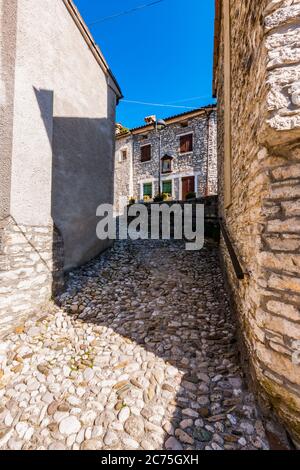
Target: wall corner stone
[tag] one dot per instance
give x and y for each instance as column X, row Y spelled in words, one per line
column 31, row 270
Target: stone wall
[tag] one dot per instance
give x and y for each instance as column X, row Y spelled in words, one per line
column 201, row 163
column 123, row 174
column 263, row 218
column 8, row 34
column 211, row 218
column 31, row 267
column 212, row 187
column 189, row 164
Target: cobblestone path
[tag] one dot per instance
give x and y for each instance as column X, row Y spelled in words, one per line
column 140, row 354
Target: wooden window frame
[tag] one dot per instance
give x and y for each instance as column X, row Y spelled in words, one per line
column 124, row 152
column 166, row 159
column 182, row 136
column 150, row 153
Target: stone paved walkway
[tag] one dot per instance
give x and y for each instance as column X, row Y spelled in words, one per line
column 140, row 355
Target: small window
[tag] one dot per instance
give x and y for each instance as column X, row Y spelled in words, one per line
column 185, row 124
column 167, row 187
column 123, row 155
column 146, row 153
column 166, row 164
column 186, row 143
column 147, row 190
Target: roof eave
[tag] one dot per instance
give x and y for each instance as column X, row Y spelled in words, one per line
column 176, row 118
column 122, row 136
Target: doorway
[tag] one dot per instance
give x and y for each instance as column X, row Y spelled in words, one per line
column 188, row 186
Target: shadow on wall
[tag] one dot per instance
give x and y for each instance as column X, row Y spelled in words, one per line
column 82, row 179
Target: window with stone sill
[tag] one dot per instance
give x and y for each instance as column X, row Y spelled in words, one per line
column 123, row 155
column 166, row 164
column 147, row 190
column 146, row 153
column 186, row 143
column 167, row 187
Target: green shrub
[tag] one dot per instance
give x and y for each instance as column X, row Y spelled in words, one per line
column 158, row 198
column 191, row 196
column 123, row 130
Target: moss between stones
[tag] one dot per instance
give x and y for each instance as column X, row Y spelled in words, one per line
column 285, row 407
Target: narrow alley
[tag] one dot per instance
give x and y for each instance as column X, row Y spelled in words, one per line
column 140, row 354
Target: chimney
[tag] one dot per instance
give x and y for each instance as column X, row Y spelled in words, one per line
column 150, row 119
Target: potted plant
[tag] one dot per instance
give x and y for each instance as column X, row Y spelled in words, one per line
column 158, row 198
column 190, row 196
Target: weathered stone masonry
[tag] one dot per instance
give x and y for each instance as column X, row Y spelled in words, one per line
column 123, row 184
column 212, row 169
column 195, row 161
column 201, row 163
column 31, row 267
column 263, row 218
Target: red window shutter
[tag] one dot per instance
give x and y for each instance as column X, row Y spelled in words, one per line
column 182, row 144
column 146, row 153
column 186, row 143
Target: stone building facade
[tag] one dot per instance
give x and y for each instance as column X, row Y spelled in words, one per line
column 188, row 158
column 123, row 187
column 257, row 83
column 57, row 123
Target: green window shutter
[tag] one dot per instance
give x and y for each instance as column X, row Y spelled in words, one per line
column 167, row 187
column 148, row 189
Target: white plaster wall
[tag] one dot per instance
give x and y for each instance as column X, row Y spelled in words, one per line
column 32, row 152
column 64, row 117
column 8, row 25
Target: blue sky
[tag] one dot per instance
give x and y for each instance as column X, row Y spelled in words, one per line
column 161, row 54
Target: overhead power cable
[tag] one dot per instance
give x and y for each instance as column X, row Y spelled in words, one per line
column 157, row 104
column 191, row 99
column 126, row 12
